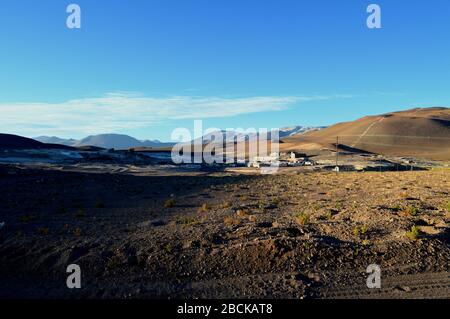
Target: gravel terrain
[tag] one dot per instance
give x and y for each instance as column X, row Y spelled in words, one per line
column 222, row 235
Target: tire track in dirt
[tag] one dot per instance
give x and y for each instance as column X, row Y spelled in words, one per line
column 428, row 285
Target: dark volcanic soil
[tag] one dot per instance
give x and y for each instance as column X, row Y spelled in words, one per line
column 221, row 235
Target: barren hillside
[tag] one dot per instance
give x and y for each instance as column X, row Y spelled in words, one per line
column 418, row 133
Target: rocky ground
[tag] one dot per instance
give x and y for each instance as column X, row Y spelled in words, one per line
column 222, row 235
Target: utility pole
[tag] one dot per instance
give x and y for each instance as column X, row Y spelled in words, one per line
column 337, row 152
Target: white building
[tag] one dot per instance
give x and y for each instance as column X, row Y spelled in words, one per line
column 272, row 160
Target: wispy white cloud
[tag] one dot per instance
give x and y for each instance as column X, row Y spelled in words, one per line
column 121, row 111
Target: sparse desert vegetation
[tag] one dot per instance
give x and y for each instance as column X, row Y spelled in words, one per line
column 77, row 232
column 411, row 210
column 413, row 234
column 187, row 220
column 302, row 218
column 231, row 221
column 169, row 203
column 204, row 208
column 360, row 231
column 225, row 234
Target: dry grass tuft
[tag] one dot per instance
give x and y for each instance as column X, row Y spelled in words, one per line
column 410, row 211
column 231, row 221
column 302, row 218
column 204, row 208
column 242, row 212
column 169, row 203
column 43, row 231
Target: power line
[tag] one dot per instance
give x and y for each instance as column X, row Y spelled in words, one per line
column 404, row 136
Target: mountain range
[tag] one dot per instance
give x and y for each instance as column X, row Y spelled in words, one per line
column 121, row 141
column 9, row 141
column 248, row 136
column 419, row 132
column 116, row 141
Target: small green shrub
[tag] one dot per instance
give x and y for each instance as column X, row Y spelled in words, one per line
column 365, row 242
column 329, row 215
column 168, row 248
column 413, row 234
column 356, row 231
column 411, row 210
column 360, row 231
column 363, row 229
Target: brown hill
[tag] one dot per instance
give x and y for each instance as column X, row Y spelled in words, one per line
column 421, row 132
column 9, row 141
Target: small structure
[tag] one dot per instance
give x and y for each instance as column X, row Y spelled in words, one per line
column 272, row 160
column 297, row 155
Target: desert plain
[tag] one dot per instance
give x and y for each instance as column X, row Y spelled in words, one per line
column 157, row 233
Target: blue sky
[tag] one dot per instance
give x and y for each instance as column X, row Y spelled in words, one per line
column 145, row 67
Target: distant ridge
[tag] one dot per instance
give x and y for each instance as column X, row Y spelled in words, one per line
column 9, row 141
column 108, row 141
column 240, row 137
column 122, row 141
column 419, row 132
column 55, row 140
